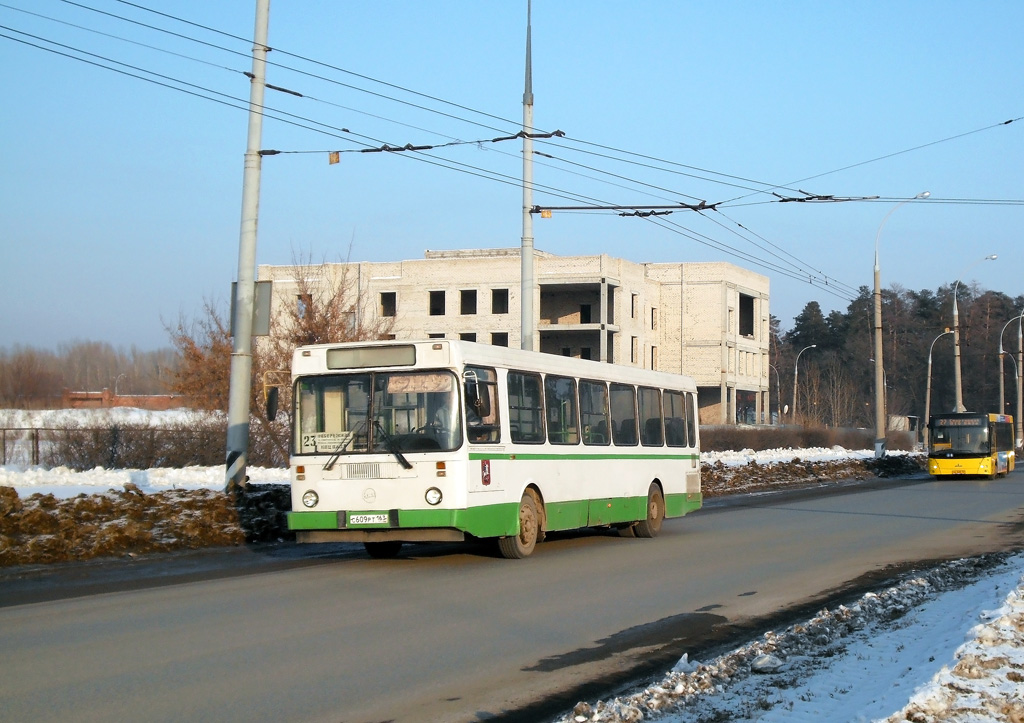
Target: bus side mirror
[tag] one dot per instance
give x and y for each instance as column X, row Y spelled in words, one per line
column 272, row 400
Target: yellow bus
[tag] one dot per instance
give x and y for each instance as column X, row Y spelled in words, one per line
column 970, row 444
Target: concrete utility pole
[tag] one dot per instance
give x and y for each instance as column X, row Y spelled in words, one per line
column 958, row 379
column 241, row 350
column 880, row 420
column 526, row 252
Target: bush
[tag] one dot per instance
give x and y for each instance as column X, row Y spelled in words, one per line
column 198, row 440
column 729, row 437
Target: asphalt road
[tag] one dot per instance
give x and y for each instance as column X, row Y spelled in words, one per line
column 453, row 632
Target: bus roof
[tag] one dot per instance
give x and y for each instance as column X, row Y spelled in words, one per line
column 452, row 352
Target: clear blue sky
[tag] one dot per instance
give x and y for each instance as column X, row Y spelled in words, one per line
column 120, row 199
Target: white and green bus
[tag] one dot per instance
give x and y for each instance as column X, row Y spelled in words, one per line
column 440, row 440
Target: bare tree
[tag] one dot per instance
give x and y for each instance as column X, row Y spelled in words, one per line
column 204, row 359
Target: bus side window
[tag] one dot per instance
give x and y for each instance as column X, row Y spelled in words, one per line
column 481, row 392
column 594, row 412
column 650, row 411
column 623, row 399
column 525, row 408
column 675, row 419
column 691, row 420
column 560, row 401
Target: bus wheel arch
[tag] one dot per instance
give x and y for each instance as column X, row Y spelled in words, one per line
column 650, row 526
column 541, row 509
column 522, row 544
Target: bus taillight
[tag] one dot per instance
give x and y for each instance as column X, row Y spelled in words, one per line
column 485, row 472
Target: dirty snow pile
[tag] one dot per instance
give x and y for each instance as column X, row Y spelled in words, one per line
column 861, row 662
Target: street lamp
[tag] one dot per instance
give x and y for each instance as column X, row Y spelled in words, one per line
column 778, row 392
column 796, row 369
column 879, row 374
column 956, row 337
column 1019, row 374
column 928, row 392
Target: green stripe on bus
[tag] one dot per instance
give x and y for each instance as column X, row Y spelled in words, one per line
column 484, row 521
column 503, row 519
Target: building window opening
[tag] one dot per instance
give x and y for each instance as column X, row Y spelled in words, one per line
column 499, row 338
column 468, row 336
column 746, row 315
column 388, row 303
column 467, row 301
column 499, row 301
column 437, row 303
column 585, row 313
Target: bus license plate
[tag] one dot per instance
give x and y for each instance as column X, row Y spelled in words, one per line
column 380, row 519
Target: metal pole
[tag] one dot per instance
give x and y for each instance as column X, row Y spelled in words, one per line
column 1002, row 395
column 1020, row 382
column 796, row 368
column 526, row 252
column 928, row 393
column 1017, row 372
column 241, row 351
column 1002, row 367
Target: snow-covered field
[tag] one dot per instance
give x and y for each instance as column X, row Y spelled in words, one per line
column 945, row 645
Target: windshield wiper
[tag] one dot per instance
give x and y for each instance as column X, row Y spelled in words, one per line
column 392, row 446
column 329, row 465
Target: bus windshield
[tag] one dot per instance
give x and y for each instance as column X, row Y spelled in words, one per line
column 959, row 438
column 377, row 412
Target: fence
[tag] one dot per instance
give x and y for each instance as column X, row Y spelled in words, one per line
column 134, row 447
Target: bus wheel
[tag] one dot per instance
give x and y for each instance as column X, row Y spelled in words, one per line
column 383, row 550
column 519, row 546
column 655, row 514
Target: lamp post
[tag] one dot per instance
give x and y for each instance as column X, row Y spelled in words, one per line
column 796, row 369
column 1018, row 365
column 956, row 338
column 928, row 391
column 778, row 391
column 879, row 374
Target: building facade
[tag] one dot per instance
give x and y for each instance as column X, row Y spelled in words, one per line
column 707, row 320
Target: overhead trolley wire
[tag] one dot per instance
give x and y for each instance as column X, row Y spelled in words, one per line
column 895, row 153
column 331, row 67
column 472, row 170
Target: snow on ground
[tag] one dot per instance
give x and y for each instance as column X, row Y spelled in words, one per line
column 943, row 645
column 927, row 649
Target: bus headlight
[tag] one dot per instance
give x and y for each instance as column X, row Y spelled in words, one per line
column 310, row 498
column 433, row 496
